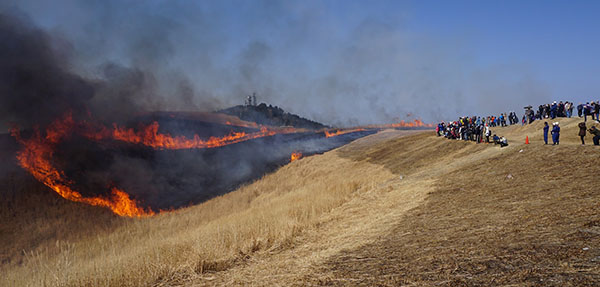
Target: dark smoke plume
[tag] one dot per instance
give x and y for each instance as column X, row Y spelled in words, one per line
column 38, row 82
column 114, row 60
column 35, row 85
column 303, row 56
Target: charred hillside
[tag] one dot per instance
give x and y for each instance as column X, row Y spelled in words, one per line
column 271, row 116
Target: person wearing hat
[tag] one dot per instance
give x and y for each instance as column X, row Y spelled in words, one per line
column 553, row 109
column 582, row 129
column 555, row 133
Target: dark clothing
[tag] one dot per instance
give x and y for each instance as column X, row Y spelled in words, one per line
column 582, row 128
column 587, row 111
column 546, row 128
column 596, row 133
column 555, row 135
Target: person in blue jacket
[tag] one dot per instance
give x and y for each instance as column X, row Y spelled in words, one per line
column 546, row 128
column 555, row 133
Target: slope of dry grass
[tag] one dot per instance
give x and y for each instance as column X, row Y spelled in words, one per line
column 384, row 210
column 515, row 218
column 456, row 218
column 57, row 243
column 522, row 215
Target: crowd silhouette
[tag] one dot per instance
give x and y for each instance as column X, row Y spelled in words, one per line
column 478, row 129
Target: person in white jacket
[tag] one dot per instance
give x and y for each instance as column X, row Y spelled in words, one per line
column 488, row 133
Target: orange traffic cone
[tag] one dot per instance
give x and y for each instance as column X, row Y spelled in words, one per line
column 526, row 139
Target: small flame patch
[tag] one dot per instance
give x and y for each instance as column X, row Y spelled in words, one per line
column 341, row 132
column 295, row 155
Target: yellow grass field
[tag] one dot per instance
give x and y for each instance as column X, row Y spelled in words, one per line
column 393, row 208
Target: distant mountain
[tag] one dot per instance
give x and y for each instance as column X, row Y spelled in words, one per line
column 271, row 115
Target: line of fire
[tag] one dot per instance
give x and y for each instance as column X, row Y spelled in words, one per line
column 81, row 159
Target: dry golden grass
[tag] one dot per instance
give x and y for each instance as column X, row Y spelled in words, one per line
column 526, row 215
column 384, row 210
column 67, row 244
column 568, row 134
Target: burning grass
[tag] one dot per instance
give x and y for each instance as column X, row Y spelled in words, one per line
column 38, row 157
column 266, row 215
column 383, row 210
column 37, row 153
column 295, row 156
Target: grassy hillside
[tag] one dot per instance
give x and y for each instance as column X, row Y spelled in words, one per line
column 48, row 241
column 523, row 215
column 386, row 209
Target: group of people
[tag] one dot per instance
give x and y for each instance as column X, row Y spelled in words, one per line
column 555, row 133
column 474, row 128
column 589, row 109
column 561, row 110
column 593, row 130
column 500, row 121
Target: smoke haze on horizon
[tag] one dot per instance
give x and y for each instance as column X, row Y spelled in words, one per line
column 337, row 62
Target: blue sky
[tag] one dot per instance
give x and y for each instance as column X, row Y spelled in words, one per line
column 557, row 39
column 341, row 62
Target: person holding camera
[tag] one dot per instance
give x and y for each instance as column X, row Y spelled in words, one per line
column 596, row 132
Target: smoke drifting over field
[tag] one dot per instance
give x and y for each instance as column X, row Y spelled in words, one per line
column 173, row 55
column 37, row 84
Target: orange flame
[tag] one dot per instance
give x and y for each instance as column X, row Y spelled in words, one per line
column 416, row 123
column 295, row 155
column 149, row 136
column 36, row 158
column 341, row 132
column 36, row 154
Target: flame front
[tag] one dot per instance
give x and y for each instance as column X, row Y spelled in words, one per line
column 149, row 136
column 295, row 155
column 402, row 124
column 37, row 151
column 416, row 123
column 36, row 158
column 341, row 132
